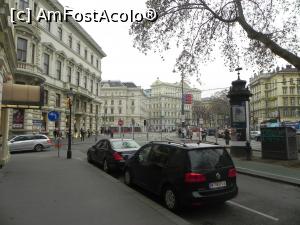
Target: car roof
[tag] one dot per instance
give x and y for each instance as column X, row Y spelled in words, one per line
column 188, row 146
column 28, row 135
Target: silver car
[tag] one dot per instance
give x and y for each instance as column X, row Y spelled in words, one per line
column 37, row 142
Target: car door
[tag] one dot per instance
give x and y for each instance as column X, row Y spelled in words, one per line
column 101, row 151
column 156, row 169
column 29, row 143
column 139, row 165
column 92, row 151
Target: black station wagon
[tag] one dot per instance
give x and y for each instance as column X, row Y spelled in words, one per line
column 183, row 174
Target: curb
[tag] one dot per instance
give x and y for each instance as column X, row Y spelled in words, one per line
column 269, row 176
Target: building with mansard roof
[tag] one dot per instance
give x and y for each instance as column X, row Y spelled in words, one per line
column 123, row 101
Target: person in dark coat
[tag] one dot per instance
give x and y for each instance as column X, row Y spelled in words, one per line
column 227, row 136
column 82, row 134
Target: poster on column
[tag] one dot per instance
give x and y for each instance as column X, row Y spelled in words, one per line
column 18, row 119
column 238, row 114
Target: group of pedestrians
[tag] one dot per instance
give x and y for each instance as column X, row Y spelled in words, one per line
column 83, row 133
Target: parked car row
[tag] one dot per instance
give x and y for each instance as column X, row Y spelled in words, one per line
column 181, row 174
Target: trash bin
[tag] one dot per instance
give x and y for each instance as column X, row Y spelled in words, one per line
column 279, row 143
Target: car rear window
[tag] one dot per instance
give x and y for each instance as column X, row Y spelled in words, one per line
column 208, row 159
column 124, row 144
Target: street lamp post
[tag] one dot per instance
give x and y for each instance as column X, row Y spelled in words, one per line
column 70, row 96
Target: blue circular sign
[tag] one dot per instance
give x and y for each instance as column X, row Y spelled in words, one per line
column 53, row 116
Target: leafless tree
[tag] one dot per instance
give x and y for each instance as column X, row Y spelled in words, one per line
column 253, row 32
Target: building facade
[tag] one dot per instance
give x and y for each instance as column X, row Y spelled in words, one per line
column 123, row 101
column 60, row 56
column 7, row 66
column 276, row 95
column 165, row 105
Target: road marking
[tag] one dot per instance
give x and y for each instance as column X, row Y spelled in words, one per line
column 254, row 211
column 79, row 158
column 269, row 173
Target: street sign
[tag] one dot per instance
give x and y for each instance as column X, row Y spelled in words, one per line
column 53, row 116
column 120, row 122
column 201, row 121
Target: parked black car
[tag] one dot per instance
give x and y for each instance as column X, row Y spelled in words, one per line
column 112, row 153
column 183, row 174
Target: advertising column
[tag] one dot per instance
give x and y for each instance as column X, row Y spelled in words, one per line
column 239, row 101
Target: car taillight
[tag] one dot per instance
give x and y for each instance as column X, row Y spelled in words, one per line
column 117, row 156
column 232, row 172
column 49, row 141
column 194, row 178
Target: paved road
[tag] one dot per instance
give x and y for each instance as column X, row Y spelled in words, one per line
column 259, row 201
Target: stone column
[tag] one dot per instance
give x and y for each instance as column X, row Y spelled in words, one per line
column 4, row 151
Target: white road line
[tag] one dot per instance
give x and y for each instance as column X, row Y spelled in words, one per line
column 269, row 173
column 79, row 158
column 252, row 210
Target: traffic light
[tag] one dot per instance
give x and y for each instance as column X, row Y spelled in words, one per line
column 68, row 102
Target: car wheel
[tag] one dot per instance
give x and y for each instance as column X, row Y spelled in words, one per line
column 105, row 166
column 128, row 177
column 38, row 148
column 170, row 199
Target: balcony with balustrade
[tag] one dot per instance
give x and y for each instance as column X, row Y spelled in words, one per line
column 29, row 73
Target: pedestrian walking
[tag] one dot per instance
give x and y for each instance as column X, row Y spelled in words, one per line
column 227, row 136
column 111, row 133
column 55, row 133
column 203, row 135
column 82, row 134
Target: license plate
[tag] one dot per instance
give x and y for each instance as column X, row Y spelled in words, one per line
column 217, row 184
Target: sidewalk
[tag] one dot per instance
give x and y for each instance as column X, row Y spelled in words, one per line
column 285, row 171
column 39, row 188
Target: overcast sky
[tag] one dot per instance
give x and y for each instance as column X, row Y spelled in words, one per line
column 125, row 63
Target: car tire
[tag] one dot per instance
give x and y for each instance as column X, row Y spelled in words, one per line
column 128, row 177
column 38, row 148
column 170, row 199
column 106, row 166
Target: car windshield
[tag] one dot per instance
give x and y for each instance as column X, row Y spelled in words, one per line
column 124, row 144
column 208, row 159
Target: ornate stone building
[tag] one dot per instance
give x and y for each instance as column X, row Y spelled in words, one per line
column 125, row 101
column 276, row 95
column 165, row 105
column 7, row 66
column 60, row 56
